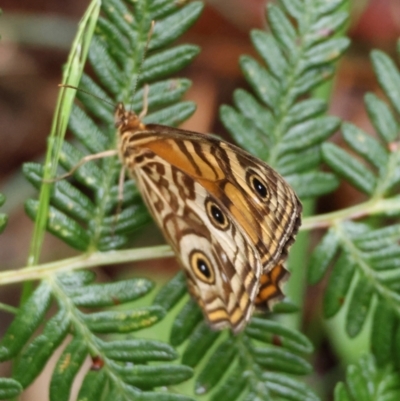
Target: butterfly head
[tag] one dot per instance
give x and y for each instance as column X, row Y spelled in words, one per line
column 127, row 120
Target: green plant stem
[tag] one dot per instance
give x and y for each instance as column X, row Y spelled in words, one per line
column 8, row 308
column 371, row 207
column 252, row 370
column 85, row 261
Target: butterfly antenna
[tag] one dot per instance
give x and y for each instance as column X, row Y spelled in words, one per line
column 146, row 47
column 87, row 92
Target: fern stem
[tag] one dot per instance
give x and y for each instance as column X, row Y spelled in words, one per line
column 253, row 373
column 381, row 206
column 38, row 272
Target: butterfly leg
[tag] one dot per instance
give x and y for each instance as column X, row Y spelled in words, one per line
column 121, row 180
column 145, row 102
column 101, row 155
column 121, row 189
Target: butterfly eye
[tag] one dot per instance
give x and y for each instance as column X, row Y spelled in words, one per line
column 258, row 185
column 202, row 267
column 216, row 215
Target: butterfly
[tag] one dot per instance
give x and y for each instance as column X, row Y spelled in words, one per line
column 229, row 217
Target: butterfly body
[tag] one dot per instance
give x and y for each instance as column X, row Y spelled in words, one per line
column 228, row 216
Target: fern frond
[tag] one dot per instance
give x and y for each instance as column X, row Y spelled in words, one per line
column 125, row 365
column 376, row 170
column 82, row 214
column 85, row 219
column 287, row 131
column 268, row 352
column 351, row 247
column 279, row 125
column 365, row 256
column 365, row 381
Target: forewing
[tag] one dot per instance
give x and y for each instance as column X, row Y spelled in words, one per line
column 227, row 172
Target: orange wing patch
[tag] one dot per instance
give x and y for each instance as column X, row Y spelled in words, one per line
column 270, row 290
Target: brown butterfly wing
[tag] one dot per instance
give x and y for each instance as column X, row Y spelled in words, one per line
column 180, row 168
column 221, row 265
